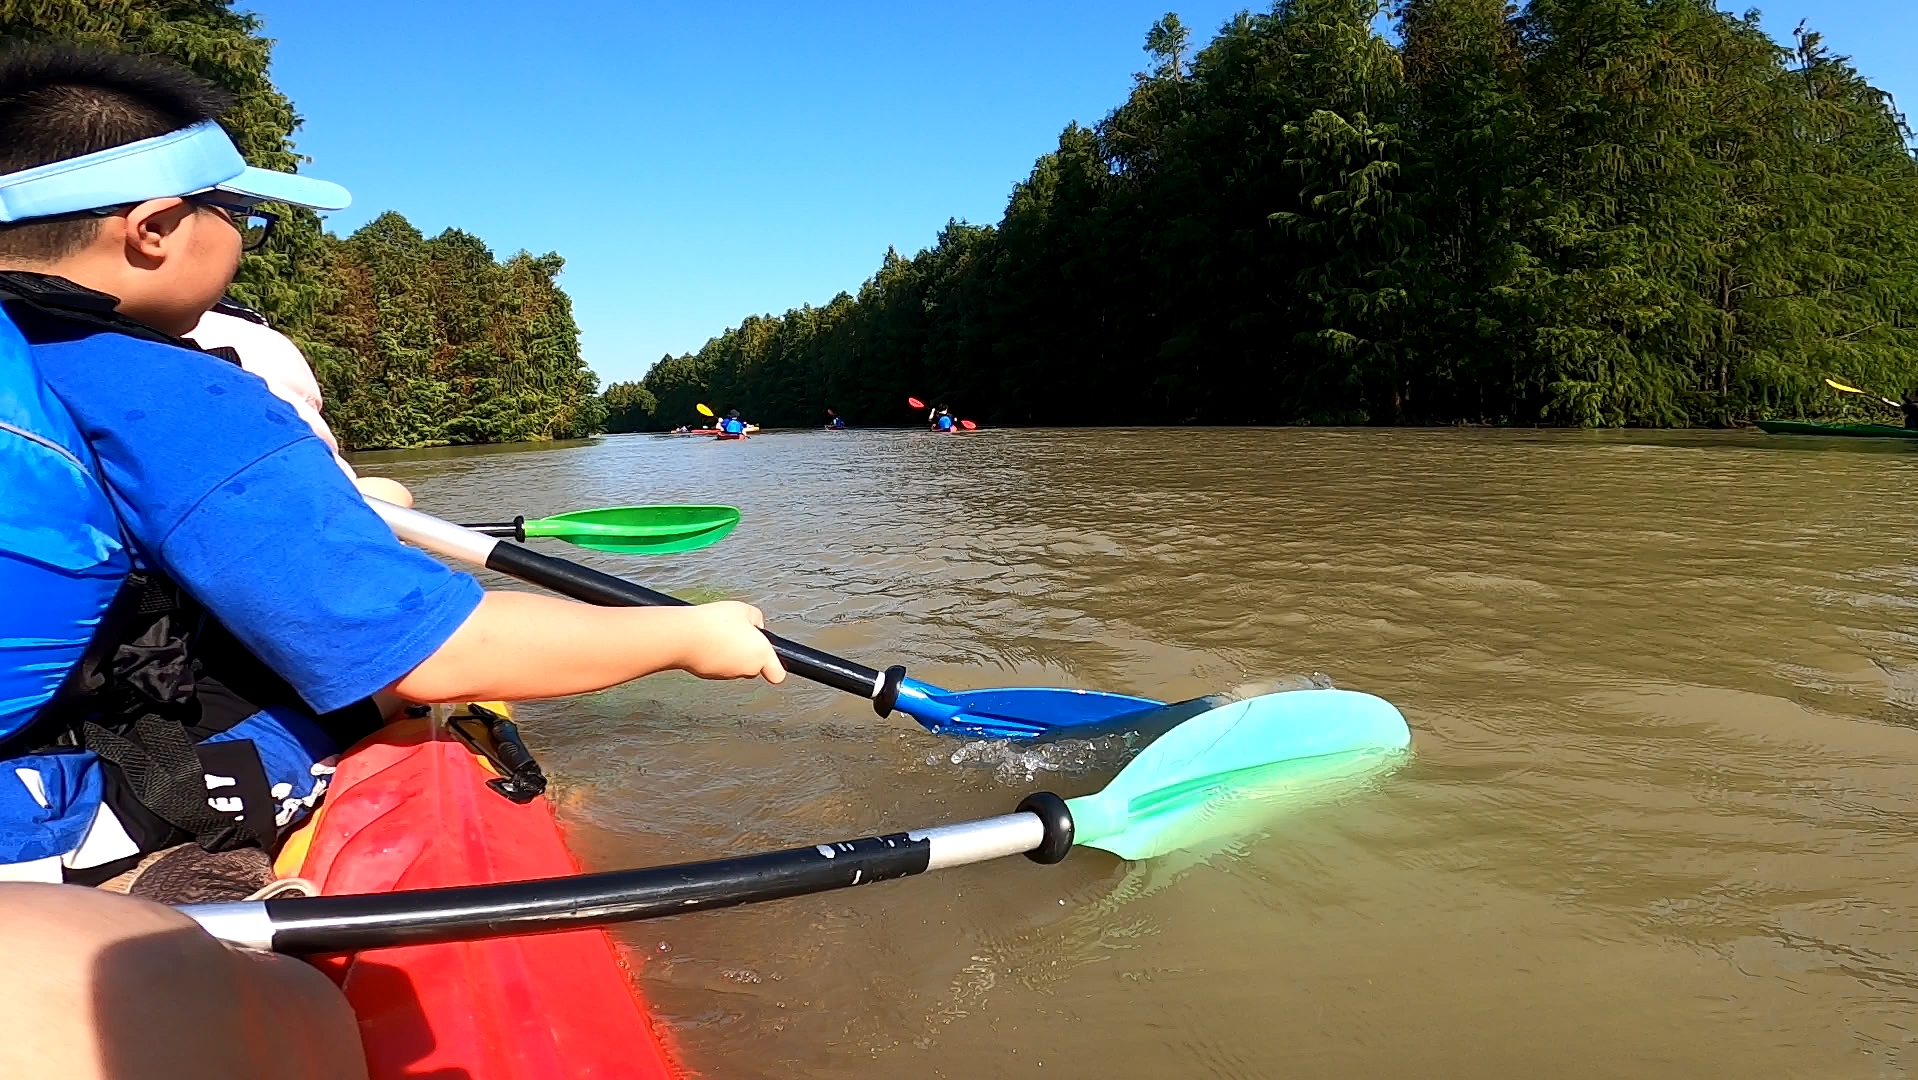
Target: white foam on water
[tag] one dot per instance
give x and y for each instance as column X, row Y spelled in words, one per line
column 1019, row 763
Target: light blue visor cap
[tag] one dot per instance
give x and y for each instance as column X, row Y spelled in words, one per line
column 186, row 162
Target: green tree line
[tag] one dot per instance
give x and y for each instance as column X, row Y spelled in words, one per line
column 416, row 341
column 1581, row 212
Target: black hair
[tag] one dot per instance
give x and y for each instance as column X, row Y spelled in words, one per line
column 63, row 101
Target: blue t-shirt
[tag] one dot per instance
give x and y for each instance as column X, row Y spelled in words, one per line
column 221, row 485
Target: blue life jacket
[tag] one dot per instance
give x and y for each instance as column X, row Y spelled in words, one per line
column 733, row 425
column 945, row 423
column 130, row 720
column 61, row 555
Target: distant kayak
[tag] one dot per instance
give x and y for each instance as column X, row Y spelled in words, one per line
column 1850, row 431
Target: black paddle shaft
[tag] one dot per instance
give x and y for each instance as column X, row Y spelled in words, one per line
column 604, row 590
column 1041, row 829
column 336, row 924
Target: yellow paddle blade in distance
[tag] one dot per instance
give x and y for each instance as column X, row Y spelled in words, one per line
column 703, row 410
column 1835, row 385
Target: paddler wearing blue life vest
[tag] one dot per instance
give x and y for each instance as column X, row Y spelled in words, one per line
column 732, row 424
column 943, row 421
column 200, row 608
column 835, row 421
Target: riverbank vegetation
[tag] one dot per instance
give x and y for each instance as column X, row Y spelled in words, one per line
column 416, row 341
column 1582, row 212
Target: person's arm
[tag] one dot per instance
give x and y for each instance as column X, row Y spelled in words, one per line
column 265, row 531
column 516, row 646
column 382, row 488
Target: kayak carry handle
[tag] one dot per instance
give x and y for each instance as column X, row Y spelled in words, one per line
column 522, row 780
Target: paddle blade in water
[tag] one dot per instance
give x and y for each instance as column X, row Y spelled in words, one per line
column 640, row 530
column 1015, row 712
column 915, row 403
column 1215, row 773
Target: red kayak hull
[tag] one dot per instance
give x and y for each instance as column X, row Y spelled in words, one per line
column 407, row 810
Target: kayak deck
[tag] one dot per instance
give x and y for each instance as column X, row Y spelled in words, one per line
column 1851, row 431
column 409, row 810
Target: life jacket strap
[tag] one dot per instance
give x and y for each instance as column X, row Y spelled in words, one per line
column 166, row 774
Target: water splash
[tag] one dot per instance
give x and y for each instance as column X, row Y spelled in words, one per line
column 1014, row 763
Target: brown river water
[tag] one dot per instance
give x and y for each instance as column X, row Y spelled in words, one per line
column 1658, row 822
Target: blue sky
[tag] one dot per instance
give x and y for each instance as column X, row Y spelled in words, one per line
column 697, row 162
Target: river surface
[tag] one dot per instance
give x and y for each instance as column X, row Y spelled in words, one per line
column 1658, row 821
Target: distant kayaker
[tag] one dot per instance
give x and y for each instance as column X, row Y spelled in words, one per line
column 836, row 421
column 732, row 425
column 943, row 422
column 1909, row 405
column 200, row 608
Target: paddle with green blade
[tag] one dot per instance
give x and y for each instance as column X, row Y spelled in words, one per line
column 1213, row 776
column 626, row 530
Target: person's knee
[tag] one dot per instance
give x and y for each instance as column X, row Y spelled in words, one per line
column 60, row 933
column 103, row 985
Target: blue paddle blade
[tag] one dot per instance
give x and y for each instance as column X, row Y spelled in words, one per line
column 1018, row 712
column 1219, row 771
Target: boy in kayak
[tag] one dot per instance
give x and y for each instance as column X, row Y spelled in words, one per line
column 200, row 609
column 943, row 422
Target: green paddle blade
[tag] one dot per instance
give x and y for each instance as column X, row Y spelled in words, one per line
column 640, row 530
column 1212, row 774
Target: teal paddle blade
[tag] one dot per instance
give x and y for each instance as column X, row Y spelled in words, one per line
column 640, row 530
column 1211, row 775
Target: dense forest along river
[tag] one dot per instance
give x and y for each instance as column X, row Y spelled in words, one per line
column 1660, row 820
